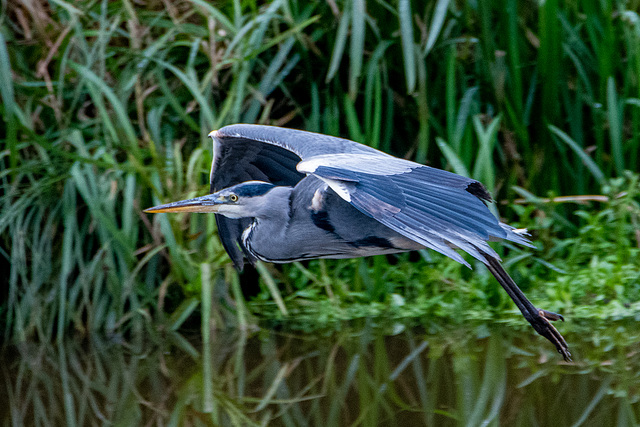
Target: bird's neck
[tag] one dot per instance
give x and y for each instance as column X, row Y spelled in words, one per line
column 278, row 209
column 270, row 223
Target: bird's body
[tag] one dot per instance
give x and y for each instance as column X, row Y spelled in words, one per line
column 283, row 195
column 316, row 223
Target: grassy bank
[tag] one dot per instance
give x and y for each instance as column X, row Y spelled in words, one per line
column 106, row 107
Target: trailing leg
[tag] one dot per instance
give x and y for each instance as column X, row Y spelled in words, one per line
column 538, row 318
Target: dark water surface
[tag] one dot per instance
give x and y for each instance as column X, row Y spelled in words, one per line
column 353, row 377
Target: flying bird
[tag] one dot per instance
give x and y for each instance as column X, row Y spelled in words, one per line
column 282, row 195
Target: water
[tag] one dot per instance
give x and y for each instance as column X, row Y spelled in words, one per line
column 353, row 377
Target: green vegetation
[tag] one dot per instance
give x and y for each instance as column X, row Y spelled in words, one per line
column 106, row 108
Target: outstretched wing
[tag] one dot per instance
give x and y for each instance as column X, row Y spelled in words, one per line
column 435, row 208
column 266, row 153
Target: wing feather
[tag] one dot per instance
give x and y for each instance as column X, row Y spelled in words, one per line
column 435, row 208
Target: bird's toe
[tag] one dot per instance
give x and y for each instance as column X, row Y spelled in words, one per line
column 544, row 327
column 549, row 315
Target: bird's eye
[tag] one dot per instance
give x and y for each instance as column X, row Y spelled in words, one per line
column 233, row 197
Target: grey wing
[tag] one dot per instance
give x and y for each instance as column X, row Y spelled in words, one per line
column 266, row 153
column 435, row 208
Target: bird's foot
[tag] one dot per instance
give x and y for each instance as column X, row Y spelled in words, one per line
column 542, row 325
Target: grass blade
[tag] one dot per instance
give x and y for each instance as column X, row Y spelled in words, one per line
column 406, row 37
column 340, row 42
column 437, row 21
column 614, row 114
column 217, row 14
column 207, row 369
column 273, row 287
column 588, row 161
column 8, row 102
column 484, row 170
column 454, row 161
column 356, row 51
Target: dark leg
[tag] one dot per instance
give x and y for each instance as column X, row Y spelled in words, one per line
column 539, row 319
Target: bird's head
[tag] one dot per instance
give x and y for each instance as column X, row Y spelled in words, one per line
column 244, row 200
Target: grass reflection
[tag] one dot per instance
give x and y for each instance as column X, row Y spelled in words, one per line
column 349, row 378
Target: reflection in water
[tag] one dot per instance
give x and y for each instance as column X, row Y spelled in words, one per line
column 348, row 378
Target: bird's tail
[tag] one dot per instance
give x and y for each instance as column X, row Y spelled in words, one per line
column 516, row 235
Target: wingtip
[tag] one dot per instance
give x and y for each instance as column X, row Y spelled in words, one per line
column 480, row 191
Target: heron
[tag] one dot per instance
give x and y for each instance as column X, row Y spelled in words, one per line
column 282, row 195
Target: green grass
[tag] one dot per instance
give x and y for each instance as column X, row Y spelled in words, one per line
column 106, row 108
